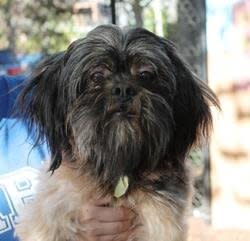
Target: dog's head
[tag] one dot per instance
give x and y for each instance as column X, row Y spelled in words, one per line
column 118, row 103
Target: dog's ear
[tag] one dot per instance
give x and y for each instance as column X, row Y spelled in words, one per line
column 40, row 105
column 191, row 106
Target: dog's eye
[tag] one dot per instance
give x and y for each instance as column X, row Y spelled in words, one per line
column 98, row 77
column 145, row 76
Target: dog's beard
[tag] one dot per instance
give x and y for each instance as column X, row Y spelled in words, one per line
column 111, row 144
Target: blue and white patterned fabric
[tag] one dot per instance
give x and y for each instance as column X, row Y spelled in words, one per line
column 19, row 164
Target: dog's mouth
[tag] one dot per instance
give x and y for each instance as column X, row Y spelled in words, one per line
column 123, row 110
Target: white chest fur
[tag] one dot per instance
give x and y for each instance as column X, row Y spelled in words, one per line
column 55, row 213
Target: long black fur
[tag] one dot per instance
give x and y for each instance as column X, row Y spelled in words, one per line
column 81, row 120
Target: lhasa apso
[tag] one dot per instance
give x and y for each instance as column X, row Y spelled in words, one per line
column 119, row 110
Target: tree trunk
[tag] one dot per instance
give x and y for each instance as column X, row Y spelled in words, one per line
column 189, row 34
column 11, row 34
column 137, row 9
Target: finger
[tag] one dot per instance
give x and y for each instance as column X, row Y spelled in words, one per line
column 113, row 237
column 111, row 214
column 106, row 214
column 116, row 237
column 101, row 229
column 103, row 201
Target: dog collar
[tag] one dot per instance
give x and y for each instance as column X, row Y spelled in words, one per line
column 121, row 186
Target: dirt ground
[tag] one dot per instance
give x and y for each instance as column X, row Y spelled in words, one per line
column 199, row 231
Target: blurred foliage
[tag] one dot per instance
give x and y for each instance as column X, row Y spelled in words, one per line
column 149, row 20
column 28, row 25
column 149, row 16
column 48, row 25
column 137, row 7
column 165, row 23
column 142, row 13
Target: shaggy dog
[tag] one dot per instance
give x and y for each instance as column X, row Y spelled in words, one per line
column 116, row 105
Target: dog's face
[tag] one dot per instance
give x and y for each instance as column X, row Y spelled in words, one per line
column 118, row 103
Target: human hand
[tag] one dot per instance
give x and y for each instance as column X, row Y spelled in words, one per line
column 101, row 222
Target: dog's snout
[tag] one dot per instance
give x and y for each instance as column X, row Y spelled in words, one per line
column 123, row 91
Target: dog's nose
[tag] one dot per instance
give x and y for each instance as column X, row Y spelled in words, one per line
column 124, row 92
